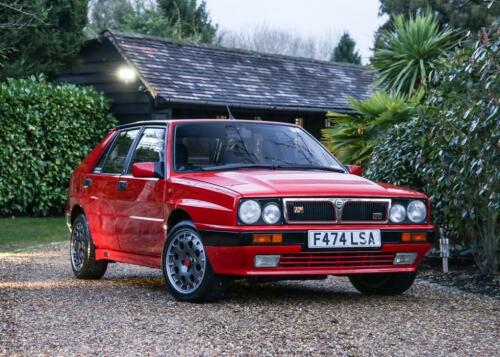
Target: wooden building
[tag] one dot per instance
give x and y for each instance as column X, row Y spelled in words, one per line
column 154, row 78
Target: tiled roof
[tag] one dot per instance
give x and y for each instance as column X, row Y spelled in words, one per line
column 185, row 72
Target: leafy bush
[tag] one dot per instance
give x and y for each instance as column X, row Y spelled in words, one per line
column 352, row 137
column 46, row 130
column 399, row 157
column 451, row 151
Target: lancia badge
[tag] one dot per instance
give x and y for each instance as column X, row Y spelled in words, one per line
column 339, row 204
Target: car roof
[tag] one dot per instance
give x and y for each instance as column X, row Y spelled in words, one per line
column 174, row 121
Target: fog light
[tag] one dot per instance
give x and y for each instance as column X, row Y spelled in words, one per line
column 267, row 261
column 404, row 258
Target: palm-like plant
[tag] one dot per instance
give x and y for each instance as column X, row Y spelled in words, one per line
column 411, row 52
column 353, row 137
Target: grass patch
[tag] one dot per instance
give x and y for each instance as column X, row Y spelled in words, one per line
column 22, row 233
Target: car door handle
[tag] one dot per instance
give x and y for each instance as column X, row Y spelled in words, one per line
column 87, row 182
column 122, row 185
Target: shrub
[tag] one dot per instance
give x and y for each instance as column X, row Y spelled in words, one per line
column 451, row 151
column 46, row 130
column 399, row 157
column 411, row 52
column 353, row 137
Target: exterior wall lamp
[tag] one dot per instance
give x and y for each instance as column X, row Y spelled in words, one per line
column 126, row 74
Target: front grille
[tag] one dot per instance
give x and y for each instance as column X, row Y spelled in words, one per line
column 337, row 210
column 335, row 259
column 360, row 211
column 310, row 211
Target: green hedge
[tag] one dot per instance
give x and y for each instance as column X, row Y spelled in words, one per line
column 46, row 130
column 451, row 149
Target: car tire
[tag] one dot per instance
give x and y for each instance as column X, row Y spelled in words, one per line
column 186, row 268
column 383, row 284
column 82, row 251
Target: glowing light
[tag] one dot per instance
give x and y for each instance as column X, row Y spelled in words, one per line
column 126, row 74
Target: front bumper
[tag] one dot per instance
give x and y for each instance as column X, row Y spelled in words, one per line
column 232, row 253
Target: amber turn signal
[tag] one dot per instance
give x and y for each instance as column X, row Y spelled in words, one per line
column 413, row 237
column 267, row 238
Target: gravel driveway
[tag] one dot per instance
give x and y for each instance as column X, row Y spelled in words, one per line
column 45, row 311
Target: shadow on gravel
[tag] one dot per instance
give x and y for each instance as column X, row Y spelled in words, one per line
column 286, row 292
column 150, row 283
column 243, row 292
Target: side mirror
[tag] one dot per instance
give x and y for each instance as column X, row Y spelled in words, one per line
column 355, row 170
column 148, row 169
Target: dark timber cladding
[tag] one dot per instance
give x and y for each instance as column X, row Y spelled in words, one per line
column 187, row 80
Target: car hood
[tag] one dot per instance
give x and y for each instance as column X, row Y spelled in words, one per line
column 294, row 183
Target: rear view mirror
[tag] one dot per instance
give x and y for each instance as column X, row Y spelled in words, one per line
column 355, row 170
column 148, row 169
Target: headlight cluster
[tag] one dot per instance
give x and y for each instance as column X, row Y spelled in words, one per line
column 414, row 211
column 253, row 211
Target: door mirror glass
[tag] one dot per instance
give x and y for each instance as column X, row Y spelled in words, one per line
column 355, row 170
column 148, row 169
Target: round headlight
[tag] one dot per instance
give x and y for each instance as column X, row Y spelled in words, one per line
column 398, row 213
column 271, row 214
column 249, row 212
column 417, row 211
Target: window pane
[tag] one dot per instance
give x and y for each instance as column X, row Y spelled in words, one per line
column 98, row 167
column 118, row 155
column 203, row 146
column 151, row 146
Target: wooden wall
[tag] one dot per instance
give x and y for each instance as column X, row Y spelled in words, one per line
column 131, row 102
column 98, row 67
column 312, row 121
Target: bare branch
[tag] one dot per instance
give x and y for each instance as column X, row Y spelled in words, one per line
column 286, row 42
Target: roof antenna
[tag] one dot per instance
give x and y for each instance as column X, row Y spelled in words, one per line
column 231, row 117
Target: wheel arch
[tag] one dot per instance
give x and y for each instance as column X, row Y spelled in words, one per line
column 75, row 212
column 176, row 216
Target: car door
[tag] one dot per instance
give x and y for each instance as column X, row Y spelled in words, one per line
column 139, row 205
column 101, row 189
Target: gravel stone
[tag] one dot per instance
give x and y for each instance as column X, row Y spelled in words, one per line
column 45, row 311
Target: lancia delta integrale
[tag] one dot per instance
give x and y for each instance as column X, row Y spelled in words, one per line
column 207, row 201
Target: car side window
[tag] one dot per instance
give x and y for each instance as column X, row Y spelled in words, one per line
column 151, row 146
column 117, row 156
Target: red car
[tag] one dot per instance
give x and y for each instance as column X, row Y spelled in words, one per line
column 206, row 201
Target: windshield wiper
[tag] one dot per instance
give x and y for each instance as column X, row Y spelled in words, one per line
column 237, row 167
column 310, row 167
column 269, row 166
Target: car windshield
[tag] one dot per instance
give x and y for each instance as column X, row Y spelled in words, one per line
column 235, row 145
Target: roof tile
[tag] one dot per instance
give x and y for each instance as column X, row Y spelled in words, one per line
column 188, row 72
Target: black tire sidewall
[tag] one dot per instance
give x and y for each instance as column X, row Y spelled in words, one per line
column 396, row 283
column 91, row 269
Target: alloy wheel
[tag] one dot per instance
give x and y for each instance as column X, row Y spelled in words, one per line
column 186, row 261
column 79, row 246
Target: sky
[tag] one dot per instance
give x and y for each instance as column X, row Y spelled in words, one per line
column 315, row 18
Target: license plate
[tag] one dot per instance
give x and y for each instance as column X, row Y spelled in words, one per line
column 344, row 239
